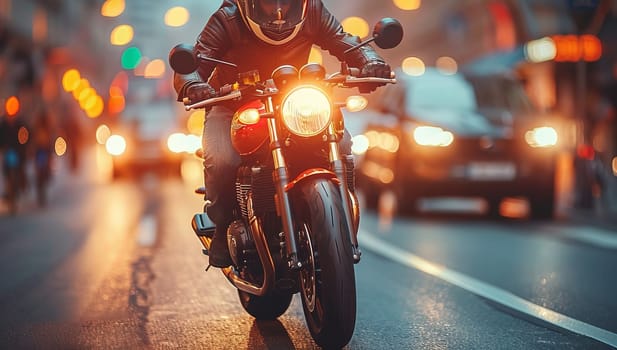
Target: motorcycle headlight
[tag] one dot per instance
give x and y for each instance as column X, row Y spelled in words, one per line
column 306, row 111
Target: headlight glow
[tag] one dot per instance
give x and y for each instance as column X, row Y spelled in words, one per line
column 432, row 136
column 306, row 111
column 192, row 143
column 356, row 103
column 176, row 142
column 545, row 136
column 115, row 145
column 359, row 144
column 249, row 116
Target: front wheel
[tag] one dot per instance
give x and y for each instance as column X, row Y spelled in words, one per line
column 267, row 307
column 327, row 279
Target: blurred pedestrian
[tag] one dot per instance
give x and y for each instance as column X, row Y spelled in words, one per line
column 43, row 148
column 13, row 138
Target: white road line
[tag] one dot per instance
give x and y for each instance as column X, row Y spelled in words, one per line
column 371, row 242
column 146, row 234
column 595, row 236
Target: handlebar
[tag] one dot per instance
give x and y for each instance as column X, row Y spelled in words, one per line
column 227, row 92
column 232, row 95
column 350, row 80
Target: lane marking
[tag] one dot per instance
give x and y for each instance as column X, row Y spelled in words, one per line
column 591, row 235
column 146, row 232
column 484, row 289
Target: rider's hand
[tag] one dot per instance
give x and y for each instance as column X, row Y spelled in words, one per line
column 199, row 91
column 377, row 69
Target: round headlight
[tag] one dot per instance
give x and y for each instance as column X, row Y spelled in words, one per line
column 306, row 111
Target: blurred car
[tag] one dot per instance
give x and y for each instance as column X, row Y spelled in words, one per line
column 459, row 135
column 146, row 135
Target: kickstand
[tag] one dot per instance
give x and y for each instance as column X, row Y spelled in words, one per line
column 208, row 267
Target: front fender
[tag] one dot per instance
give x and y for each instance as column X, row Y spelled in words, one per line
column 311, row 173
column 327, row 174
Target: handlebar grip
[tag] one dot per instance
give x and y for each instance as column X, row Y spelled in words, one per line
column 224, row 90
column 354, row 72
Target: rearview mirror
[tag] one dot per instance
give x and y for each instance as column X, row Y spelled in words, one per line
column 182, row 60
column 388, row 33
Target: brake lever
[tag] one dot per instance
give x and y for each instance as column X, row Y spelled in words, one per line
column 232, row 95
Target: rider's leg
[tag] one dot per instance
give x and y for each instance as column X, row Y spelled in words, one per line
column 221, row 162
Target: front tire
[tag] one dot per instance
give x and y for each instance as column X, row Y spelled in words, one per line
column 327, row 279
column 266, row 307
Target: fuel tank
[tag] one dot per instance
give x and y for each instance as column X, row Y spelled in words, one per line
column 248, row 138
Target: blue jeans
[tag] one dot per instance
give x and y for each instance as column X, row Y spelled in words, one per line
column 221, row 162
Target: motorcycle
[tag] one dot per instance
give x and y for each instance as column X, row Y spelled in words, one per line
column 297, row 217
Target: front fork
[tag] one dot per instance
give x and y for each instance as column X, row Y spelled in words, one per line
column 281, row 180
column 350, row 206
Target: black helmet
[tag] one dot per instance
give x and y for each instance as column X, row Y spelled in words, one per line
column 274, row 21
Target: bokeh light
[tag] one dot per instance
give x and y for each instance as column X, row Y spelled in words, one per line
column 177, row 16
column 112, row 8
column 155, row 69
column 315, row 56
column 131, row 58
column 116, row 101
column 23, row 135
column 121, row 35
column 70, row 80
column 12, row 106
column 60, row 146
column 94, row 107
column 102, row 134
column 407, row 5
column 356, row 26
column 413, row 66
column 446, row 65
column 195, row 122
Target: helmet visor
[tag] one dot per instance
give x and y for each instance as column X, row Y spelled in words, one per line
column 275, row 13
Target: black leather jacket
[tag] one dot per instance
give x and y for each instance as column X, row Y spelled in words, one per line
column 225, row 37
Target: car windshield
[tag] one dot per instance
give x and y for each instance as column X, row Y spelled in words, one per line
column 501, row 93
column 435, row 90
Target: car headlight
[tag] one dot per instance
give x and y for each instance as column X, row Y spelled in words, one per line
column 306, row 111
column 544, row 136
column 432, row 136
column 115, row 145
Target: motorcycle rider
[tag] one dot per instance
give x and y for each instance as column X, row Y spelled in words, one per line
column 257, row 35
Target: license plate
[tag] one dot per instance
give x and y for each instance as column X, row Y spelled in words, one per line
column 491, row 171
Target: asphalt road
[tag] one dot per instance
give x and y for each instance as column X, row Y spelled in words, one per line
column 114, row 265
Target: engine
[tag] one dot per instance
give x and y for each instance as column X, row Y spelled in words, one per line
column 241, row 244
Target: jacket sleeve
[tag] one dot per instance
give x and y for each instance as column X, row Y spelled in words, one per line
column 212, row 42
column 330, row 36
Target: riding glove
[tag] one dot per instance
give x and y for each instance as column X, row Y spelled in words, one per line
column 199, row 91
column 377, row 69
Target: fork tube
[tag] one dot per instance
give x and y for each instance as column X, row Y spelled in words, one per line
column 339, row 169
column 281, row 179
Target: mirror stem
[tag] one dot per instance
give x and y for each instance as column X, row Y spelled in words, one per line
column 210, row 59
column 360, row 45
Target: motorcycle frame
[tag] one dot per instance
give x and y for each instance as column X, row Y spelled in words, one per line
column 284, row 185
